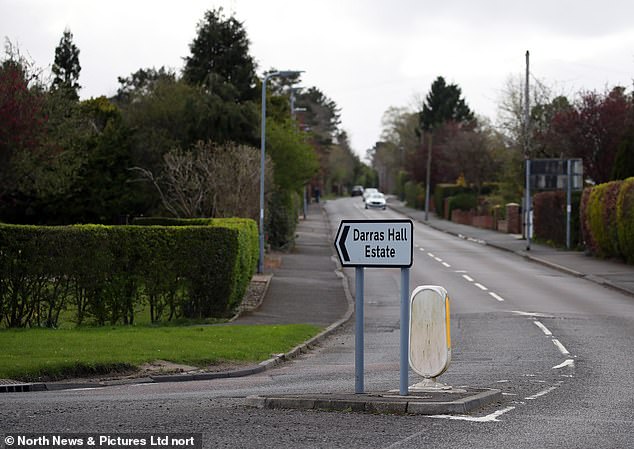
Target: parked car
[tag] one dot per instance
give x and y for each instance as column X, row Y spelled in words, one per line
column 356, row 191
column 375, row 200
column 368, row 191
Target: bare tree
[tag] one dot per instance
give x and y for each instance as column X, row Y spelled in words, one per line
column 511, row 118
column 210, row 180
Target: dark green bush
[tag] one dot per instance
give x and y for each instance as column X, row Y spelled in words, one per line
column 414, row 195
column 248, row 254
column 489, row 188
column 107, row 273
column 282, row 216
column 402, row 178
column 169, row 221
column 442, row 191
column 462, row 201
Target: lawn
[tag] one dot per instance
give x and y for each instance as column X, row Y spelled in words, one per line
column 35, row 354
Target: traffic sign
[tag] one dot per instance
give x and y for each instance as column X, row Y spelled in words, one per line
column 375, row 243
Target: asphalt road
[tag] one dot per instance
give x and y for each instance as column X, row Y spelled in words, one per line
column 560, row 348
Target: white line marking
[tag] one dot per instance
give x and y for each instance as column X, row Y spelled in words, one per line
column 438, row 259
column 431, row 255
column 496, row 296
column 446, row 265
column 542, row 393
column 481, row 287
column 568, row 362
column 543, row 328
column 561, row 347
column 467, row 277
column 488, row 418
column 542, row 315
column 421, row 248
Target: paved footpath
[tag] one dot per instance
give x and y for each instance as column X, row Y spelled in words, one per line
column 305, row 288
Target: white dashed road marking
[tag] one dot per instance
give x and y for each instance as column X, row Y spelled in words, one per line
column 496, row 296
column 543, row 328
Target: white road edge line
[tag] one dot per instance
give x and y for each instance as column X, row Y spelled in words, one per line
column 467, row 277
column 446, row 265
column 481, row 287
column 543, row 328
column 496, row 296
column 561, row 347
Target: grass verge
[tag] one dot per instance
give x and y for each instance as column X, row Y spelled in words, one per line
column 49, row 354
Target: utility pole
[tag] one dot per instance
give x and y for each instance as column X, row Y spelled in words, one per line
column 527, row 199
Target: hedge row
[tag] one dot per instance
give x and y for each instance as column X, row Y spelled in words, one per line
column 414, row 195
column 107, row 274
column 549, row 219
column 607, row 219
column 443, row 191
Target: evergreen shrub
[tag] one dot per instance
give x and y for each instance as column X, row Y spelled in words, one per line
column 625, row 219
column 106, row 274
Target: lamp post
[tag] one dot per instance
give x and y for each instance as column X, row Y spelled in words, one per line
column 282, row 74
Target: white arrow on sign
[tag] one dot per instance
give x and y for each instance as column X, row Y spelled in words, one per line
column 375, row 243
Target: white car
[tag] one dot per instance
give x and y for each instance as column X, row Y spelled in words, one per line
column 376, row 199
column 369, row 191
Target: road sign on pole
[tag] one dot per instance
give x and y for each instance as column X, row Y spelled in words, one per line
column 379, row 244
column 375, row 243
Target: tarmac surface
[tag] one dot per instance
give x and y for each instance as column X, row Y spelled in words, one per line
column 315, row 242
column 608, row 273
column 614, row 274
column 307, row 286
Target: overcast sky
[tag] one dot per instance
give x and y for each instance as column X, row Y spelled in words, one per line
column 366, row 55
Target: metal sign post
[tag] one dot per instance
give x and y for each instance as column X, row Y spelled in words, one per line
column 358, row 334
column 385, row 244
column 403, row 380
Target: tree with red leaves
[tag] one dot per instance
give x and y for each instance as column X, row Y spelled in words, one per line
column 21, row 115
column 592, row 129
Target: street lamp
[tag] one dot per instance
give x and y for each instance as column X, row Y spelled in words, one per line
column 281, row 74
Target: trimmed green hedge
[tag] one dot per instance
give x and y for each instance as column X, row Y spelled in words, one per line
column 607, row 219
column 442, row 191
column 625, row 219
column 106, row 274
column 462, row 201
column 414, row 194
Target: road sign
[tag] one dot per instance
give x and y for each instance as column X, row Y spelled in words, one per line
column 375, row 243
column 553, row 174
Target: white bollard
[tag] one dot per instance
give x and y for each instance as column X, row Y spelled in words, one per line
column 429, row 335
